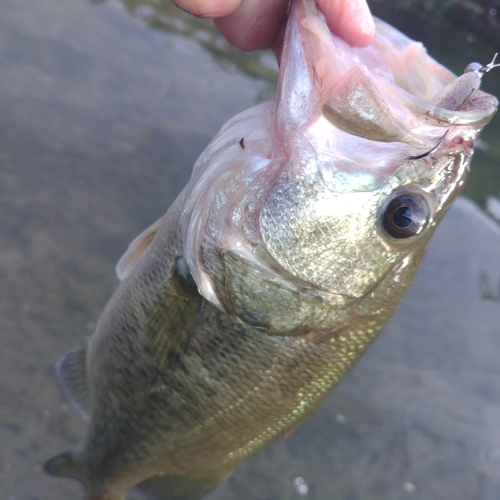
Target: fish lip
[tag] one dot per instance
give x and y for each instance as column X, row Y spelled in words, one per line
column 401, row 116
column 396, row 103
column 477, row 112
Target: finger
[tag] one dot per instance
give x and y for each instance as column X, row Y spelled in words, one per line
column 255, row 24
column 350, row 20
column 208, row 8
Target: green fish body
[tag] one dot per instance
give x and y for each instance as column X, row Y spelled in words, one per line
column 301, row 229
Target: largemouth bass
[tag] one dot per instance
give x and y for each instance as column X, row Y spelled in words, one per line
column 303, row 224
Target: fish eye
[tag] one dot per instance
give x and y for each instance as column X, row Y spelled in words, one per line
column 406, row 215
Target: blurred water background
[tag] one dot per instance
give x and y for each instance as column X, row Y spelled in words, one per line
column 104, row 108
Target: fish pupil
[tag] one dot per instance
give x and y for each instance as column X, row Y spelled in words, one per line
column 404, row 216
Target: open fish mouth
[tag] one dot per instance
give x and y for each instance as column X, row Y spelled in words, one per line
column 391, row 101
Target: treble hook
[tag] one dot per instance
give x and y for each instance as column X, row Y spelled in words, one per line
column 491, row 65
column 479, row 69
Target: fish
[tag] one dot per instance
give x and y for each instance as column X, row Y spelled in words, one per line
column 303, row 225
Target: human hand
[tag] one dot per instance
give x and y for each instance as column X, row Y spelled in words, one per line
column 259, row 24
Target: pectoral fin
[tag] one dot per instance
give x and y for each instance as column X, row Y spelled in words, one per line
column 71, row 371
column 135, row 250
column 174, row 312
column 177, row 488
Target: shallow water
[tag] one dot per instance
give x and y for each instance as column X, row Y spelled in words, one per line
column 101, row 119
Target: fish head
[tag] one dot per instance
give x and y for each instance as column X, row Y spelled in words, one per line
column 375, row 159
column 337, row 187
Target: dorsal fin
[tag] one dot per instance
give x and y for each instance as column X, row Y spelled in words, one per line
column 177, row 488
column 136, row 248
column 71, row 371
